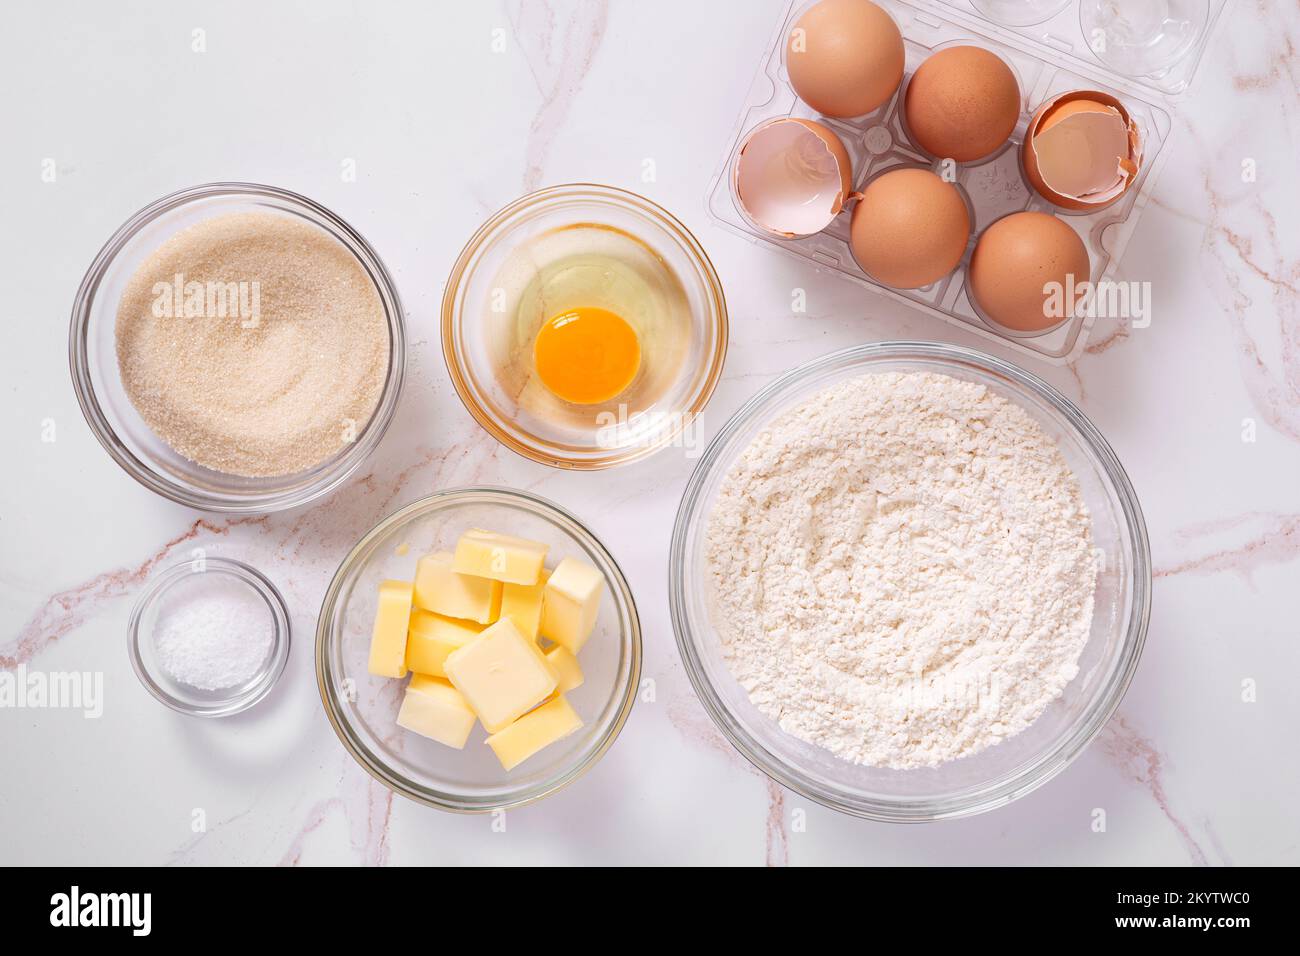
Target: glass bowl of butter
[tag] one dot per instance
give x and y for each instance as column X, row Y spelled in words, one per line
column 584, row 327
column 417, row 734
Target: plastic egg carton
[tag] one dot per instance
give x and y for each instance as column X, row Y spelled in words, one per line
column 995, row 187
column 1064, row 36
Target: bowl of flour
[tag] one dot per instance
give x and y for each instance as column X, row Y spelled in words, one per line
column 910, row 581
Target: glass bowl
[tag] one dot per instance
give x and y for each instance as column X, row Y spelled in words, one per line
column 588, row 437
column 114, row 420
column 363, row 708
column 999, row 774
column 186, row 580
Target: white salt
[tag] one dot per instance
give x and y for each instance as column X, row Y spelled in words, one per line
column 215, row 634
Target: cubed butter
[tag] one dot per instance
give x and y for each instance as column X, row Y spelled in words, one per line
column 568, row 672
column 499, row 557
column 570, row 603
column 501, row 673
column 439, row 588
column 434, row 709
column 432, row 637
column 522, row 605
column 539, row 728
column 388, row 639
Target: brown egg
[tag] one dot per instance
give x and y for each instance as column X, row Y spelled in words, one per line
column 1014, row 262
column 909, row 229
column 845, row 57
column 962, row 103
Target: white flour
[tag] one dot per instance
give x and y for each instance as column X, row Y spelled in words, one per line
column 902, row 570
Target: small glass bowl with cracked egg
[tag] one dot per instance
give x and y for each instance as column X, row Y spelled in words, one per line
column 364, row 708
column 999, row 774
column 584, row 327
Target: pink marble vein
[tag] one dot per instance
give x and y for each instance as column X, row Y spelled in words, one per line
column 1271, row 539
column 1252, row 271
column 182, row 855
column 366, row 806
column 558, row 61
column 1281, row 67
column 67, row 610
column 778, row 842
column 313, row 540
column 316, row 816
column 1139, row 760
column 691, row 722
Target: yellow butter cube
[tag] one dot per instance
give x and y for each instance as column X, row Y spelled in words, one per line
column 432, row 637
column 499, row 557
column 388, row 639
column 439, row 588
column 539, row 728
column 568, row 671
column 501, row 673
column 522, row 605
column 434, row 709
column 571, row 603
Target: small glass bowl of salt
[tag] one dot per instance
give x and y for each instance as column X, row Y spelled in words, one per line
column 209, row 637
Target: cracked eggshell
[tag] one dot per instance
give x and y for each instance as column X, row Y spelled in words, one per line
column 792, row 177
column 1082, row 151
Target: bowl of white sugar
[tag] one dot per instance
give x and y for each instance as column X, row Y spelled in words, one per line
column 910, row 581
column 209, row 637
column 237, row 348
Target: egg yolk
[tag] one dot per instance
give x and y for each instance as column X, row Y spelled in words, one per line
column 586, row 355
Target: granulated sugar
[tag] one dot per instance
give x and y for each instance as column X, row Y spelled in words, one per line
column 254, row 344
column 214, row 635
column 902, row 570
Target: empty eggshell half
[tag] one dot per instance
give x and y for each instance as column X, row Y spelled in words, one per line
column 1082, row 150
column 792, row 177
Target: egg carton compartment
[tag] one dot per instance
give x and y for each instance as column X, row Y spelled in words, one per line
column 1062, row 31
column 994, row 187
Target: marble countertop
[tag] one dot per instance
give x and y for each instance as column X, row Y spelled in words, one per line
column 447, row 111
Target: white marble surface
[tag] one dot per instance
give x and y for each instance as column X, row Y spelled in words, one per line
column 443, row 130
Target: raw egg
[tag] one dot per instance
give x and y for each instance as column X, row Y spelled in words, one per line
column 909, row 229
column 845, row 57
column 792, row 177
column 962, row 103
column 1023, row 268
column 1082, row 150
column 586, row 355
